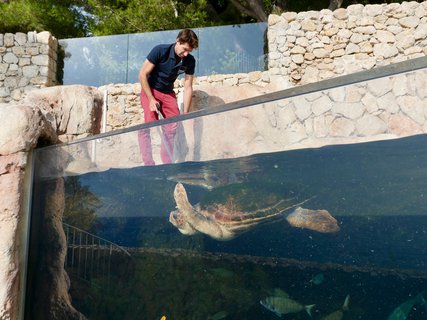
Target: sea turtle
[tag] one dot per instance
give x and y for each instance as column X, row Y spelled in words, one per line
column 231, row 210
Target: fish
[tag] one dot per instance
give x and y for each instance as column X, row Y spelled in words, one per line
column 403, row 310
column 281, row 305
column 218, row 316
column 163, row 318
column 318, row 279
column 338, row 314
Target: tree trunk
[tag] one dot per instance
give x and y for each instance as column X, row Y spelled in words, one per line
column 335, row 4
column 252, row 8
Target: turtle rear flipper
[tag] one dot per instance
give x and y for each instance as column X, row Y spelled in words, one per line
column 317, row 220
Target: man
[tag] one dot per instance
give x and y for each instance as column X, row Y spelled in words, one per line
column 158, row 73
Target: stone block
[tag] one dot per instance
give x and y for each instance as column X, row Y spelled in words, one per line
column 409, row 22
column 18, row 51
column 10, row 58
column 24, row 62
column 4, row 92
column 44, row 71
column 43, row 37
column 3, row 68
column 23, row 82
column 20, row 38
column 40, row 60
column 341, row 127
column 370, row 125
column 11, row 82
column 13, row 70
column 16, row 94
column 44, row 49
column 9, row 40
column 32, row 51
column 31, row 36
column 39, row 80
column 30, row 71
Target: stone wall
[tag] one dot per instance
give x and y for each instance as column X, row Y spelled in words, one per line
column 27, row 61
column 309, row 46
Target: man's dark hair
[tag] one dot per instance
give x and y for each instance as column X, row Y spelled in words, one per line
column 188, row 36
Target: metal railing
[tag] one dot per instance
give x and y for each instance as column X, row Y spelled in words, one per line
column 88, row 255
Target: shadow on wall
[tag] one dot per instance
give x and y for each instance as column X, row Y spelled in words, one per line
column 193, row 132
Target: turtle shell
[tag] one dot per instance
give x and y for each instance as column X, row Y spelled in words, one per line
column 250, row 197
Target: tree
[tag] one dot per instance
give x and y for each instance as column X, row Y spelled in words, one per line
column 259, row 10
column 61, row 17
column 78, row 18
column 118, row 17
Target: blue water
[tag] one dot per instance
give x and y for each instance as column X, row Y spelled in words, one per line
column 377, row 192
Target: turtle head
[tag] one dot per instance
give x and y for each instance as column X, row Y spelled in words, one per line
column 178, row 220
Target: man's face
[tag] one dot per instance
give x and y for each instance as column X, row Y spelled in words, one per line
column 182, row 49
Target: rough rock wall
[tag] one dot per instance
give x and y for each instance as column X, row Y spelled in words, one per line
column 22, row 127
column 27, row 62
column 310, row 46
column 51, row 114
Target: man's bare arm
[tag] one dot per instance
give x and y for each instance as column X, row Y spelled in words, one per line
column 146, row 69
column 188, row 92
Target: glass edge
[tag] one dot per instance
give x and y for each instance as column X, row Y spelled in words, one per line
column 25, row 233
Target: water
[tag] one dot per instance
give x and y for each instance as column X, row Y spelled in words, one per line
column 376, row 191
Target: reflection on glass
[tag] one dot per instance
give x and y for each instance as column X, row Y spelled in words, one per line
column 95, row 61
column 117, row 59
column 242, row 50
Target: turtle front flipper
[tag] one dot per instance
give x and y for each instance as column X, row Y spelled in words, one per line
column 189, row 220
column 181, row 198
column 317, row 220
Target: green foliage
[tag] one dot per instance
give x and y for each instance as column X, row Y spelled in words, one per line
column 119, row 17
column 70, row 19
column 61, row 18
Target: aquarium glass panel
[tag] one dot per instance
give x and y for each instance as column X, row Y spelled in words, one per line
column 201, row 225
column 98, row 61
column 95, row 61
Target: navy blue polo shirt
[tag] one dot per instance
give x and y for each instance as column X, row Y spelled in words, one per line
column 167, row 68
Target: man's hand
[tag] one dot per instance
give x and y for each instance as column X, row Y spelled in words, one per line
column 154, row 105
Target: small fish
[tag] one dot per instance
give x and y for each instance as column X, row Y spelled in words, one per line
column 338, row 314
column 318, row 279
column 218, row 316
column 284, row 305
column 404, row 309
column 163, row 318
